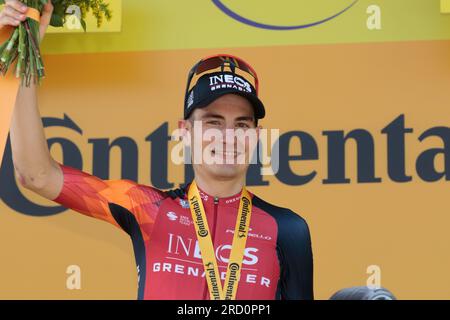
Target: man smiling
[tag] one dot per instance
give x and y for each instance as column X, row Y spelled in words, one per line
column 250, row 249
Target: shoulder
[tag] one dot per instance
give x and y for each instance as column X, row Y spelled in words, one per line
column 277, row 211
column 127, row 197
column 135, row 191
column 289, row 222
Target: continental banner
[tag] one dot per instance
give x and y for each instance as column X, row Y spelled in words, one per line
column 360, row 91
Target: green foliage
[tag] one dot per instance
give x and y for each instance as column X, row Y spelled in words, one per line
column 99, row 8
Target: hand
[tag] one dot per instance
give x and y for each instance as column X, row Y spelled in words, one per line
column 46, row 15
column 14, row 12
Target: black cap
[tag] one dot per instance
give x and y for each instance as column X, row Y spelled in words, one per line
column 211, row 86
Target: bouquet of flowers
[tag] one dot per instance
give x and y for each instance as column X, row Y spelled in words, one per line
column 23, row 45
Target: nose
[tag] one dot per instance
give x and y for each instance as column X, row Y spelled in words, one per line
column 232, row 140
column 229, row 134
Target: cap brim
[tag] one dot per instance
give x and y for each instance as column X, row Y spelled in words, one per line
column 258, row 106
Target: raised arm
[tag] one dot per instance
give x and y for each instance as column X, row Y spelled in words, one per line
column 34, row 167
column 119, row 202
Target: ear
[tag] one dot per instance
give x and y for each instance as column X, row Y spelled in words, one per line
column 185, row 125
column 181, row 124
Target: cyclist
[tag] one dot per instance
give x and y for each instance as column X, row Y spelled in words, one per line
column 256, row 249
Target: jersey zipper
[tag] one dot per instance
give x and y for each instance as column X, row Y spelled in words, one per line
column 216, row 202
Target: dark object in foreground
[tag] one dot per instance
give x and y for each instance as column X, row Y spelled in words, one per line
column 363, row 293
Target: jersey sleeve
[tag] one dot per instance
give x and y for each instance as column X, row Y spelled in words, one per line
column 94, row 197
column 297, row 259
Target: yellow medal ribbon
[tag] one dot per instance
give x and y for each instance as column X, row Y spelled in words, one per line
column 207, row 248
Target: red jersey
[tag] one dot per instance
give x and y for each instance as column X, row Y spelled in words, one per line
column 277, row 260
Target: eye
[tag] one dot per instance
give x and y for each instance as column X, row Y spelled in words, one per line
column 242, row 125
column 213, row 122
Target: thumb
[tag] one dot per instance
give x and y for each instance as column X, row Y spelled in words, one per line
column 46, row 15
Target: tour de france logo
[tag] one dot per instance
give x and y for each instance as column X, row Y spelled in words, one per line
column 236, row 16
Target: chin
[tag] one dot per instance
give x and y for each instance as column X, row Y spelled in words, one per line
column 226, row 171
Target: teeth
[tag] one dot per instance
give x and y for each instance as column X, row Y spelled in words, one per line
column 226, row 153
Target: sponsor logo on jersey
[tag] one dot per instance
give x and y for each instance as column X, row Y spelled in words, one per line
column 184, row 204
column 189, row 248
column 253, row 235
column 172, row 216
column 184, row 258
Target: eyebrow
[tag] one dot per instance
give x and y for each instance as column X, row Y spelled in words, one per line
column 246, row 118
column 218, row 116
column 212, row 115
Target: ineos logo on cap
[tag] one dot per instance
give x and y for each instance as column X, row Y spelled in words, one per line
column 224, row 81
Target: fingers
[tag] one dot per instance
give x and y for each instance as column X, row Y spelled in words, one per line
column 48, row 7
column 15, row 11
column 46, row 13
column 8, row 21
column 16, row 5
column 10, row 16
column 46, row 16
